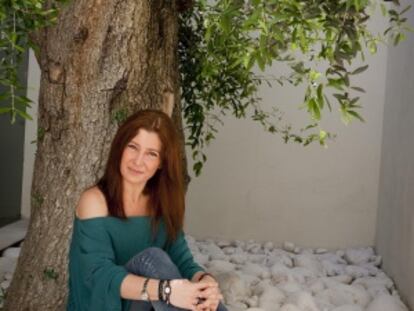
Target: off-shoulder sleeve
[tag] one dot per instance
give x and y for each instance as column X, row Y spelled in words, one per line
column 100, row 273
column 181, row 255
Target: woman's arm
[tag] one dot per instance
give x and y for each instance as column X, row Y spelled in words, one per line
column 131, row 287
column 109, row 280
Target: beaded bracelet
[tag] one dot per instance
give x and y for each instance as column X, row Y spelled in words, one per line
column 160, row 288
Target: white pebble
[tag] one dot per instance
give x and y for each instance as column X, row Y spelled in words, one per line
column 289, row 246
column 348, row 308
column 220, row 266
column 359, row 255
column 256, row 270
column 268, row 246
column 332, row 268
column 271, row 298
column 229, row 250
column 213, row 251
column 280, row 273
column 342, row 294
column 201, row 259
column 303, row 300
column 238, row 258
column 310, row 262
column 252, row 301
column 8, row 276
column 5, row 284
column 386, row 302
column 356, row 271
column 223, row 243
column 289, row 307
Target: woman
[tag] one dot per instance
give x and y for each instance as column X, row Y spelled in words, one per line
column 128, row 250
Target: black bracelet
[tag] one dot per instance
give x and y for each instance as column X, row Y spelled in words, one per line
column 160, row 286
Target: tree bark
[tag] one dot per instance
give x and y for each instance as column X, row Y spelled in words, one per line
column 103, row 59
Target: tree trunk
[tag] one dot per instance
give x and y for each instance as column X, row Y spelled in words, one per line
column 104, row 59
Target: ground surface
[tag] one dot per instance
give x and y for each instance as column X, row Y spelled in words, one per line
column 261, row 277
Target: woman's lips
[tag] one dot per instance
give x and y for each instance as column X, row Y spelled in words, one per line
column 135, row 171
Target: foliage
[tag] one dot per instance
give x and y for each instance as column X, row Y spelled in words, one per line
column 50, row 273
column 18, row 19
column 223, row 42
column 222, row 45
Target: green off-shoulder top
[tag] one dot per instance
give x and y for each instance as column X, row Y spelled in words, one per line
column 100, row 248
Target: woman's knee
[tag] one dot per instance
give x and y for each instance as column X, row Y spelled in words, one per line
column 165, row 267
column 156, row 252
column 153, row 262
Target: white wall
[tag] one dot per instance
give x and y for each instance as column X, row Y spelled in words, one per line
column 256, row 187
column 33, row 83
column 395, row 233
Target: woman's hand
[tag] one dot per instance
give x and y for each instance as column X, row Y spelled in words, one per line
column 211, row 295
column 184, row 294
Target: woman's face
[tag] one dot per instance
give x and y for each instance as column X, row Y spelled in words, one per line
column 141, row 158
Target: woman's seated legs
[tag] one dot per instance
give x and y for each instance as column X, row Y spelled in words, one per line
column 155, row 263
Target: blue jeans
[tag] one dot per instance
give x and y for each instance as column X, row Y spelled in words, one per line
column 154, row 263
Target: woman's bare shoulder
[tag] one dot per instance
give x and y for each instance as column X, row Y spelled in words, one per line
column 91, row 204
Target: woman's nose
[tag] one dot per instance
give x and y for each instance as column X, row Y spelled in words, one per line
column 139, row 158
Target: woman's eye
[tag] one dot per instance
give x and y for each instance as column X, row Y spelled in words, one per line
column 132, row 147
column 153, row 154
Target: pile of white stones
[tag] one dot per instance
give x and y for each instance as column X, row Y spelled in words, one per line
column 261, row 277
column 8, row 262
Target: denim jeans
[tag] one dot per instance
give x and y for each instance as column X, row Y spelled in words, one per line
column 154, row 263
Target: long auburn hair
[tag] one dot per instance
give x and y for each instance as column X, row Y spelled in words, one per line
column 165, row 189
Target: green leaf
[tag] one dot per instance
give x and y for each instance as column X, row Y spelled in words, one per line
column 319, row 93
column 336, row 83
column 5, row 109
column 252, row 20
column 356, row 115
column 406, row 9
column 340, row 97
column 359, row 70
column 359, row 89
column 383, row 9
column 328, row 103
column 398, row 38
column 322, row 137
column 23, row 114
column 314, row 75
column 345, row 116
column 314, row 109
column 353, row 101
column 197, row 167
column 260, row 62
column 13, row 38
column 225, row 23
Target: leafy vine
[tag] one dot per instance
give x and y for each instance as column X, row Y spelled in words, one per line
column 223, row 44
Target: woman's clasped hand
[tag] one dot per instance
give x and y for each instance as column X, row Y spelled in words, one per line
column 200, row 296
